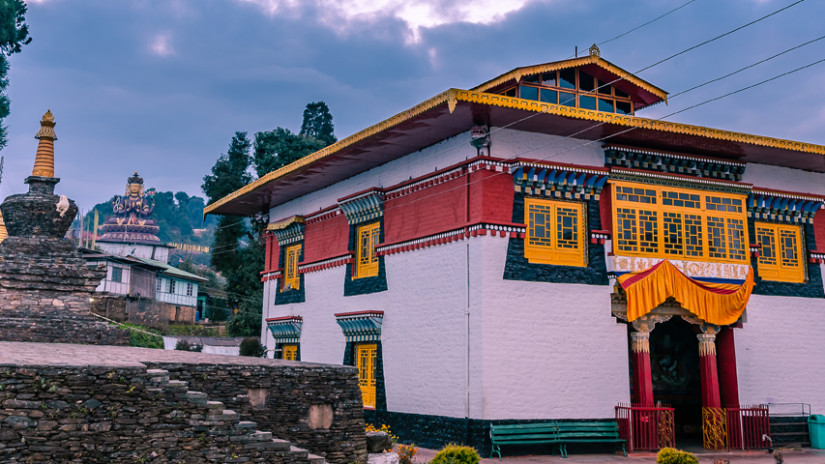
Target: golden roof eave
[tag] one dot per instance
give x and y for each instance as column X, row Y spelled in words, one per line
column 518, row 73
column 452, row 97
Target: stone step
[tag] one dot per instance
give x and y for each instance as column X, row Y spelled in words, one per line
column 226, row 415
column 299, row 452
column 315, row 459
column 158, row 375
column 259, row 435
column 246, row 425
column 196, row 397
column 177, row 384
column 281, row 445
column 215, row 405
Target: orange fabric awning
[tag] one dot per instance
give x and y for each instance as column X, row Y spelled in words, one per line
column 719, row 304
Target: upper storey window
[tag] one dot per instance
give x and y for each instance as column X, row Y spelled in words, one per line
column 555, row 232
column 670, row 222
column 366, row 259
column 780, row 253
column 572, row 87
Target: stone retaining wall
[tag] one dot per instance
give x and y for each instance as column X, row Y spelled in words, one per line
column 315, row 406
column 126, row 414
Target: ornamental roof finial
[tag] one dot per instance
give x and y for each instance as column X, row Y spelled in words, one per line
column 44, row 159
column 594, row 51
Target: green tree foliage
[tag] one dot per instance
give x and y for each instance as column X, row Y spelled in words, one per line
column 277, row 148
column 317, row 123
column 240, row 262
column 251, row 346
column 14, row 33
column 456, row 454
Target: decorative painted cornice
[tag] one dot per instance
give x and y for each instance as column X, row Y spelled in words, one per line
column 673, row 163
column 675, row 180
column 287, row 231
column 272, row 276
column 599, row 236
column 785, row 208
column 474, row 230
column 430, row 180
column 361, row 326
column 558, row 182
column 364, row 207
column 285, row 329
column 326, row 263
column 817, row 257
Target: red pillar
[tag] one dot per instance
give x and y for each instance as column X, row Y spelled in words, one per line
column 726, row 360
column 709, row 373
column 642, row 381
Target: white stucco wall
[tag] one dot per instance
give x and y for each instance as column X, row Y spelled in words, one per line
column 508, row 143
column 550, row 350
column 423, row 332
column 779, row 352
column 779, row 178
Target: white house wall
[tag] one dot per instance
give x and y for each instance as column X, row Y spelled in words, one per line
column 550, row 350
column 779, row 351
column 780, row 178
column 508, row 144
column 423, row 333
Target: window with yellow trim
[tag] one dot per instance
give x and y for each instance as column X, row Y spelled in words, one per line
column 555, row 232
column 662, row 221
column 366, row 259
column 289, row 352
column 366, row 356
column 780, row 253
column 292, row 280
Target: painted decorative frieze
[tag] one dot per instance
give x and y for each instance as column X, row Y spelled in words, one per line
column 727, row 271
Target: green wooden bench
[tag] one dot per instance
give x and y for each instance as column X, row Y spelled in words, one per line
column 523, row 434
column 589, row 432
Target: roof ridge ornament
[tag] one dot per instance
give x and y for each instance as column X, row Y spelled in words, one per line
column 595, row 52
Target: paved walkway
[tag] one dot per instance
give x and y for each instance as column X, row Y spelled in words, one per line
column 792, row 456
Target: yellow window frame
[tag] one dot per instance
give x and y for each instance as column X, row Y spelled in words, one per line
column 289, row 352
column 555, row 232
column 781, row 257
column 672, row 222
column 366, row 261
column 366, row 359
column 292, row 279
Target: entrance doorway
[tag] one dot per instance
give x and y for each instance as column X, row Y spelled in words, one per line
column 675, row 373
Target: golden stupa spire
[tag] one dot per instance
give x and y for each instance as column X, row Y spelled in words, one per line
column 44, row 160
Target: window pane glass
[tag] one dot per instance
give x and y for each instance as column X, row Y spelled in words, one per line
column 549, row 79
column 622, row 107
column 530, row 93
column 532, row 79
column 510, row 92
column 648, row 225
column 604, row 89
column 567, row 78
column 549, row 96
column 673, row 233
column 586, row 82
column 605, row 105
column 626, row 230
column 619, row 93
column 567, row 99
column 588, row 103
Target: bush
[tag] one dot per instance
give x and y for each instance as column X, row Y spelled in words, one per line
column 252, row 347
column 183, row 345
column 674, row 456
column 456, row 454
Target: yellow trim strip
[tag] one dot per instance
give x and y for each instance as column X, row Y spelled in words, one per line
column 285, row 223
column 518, row 73
column 453, row 96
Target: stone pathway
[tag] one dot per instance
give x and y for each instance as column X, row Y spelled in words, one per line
column 797, row 456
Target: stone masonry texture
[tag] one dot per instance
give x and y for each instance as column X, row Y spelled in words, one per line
column 76, row 403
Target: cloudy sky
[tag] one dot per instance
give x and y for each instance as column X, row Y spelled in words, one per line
column 161, row 86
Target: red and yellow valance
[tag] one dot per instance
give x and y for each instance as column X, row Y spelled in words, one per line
column 719, row 304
